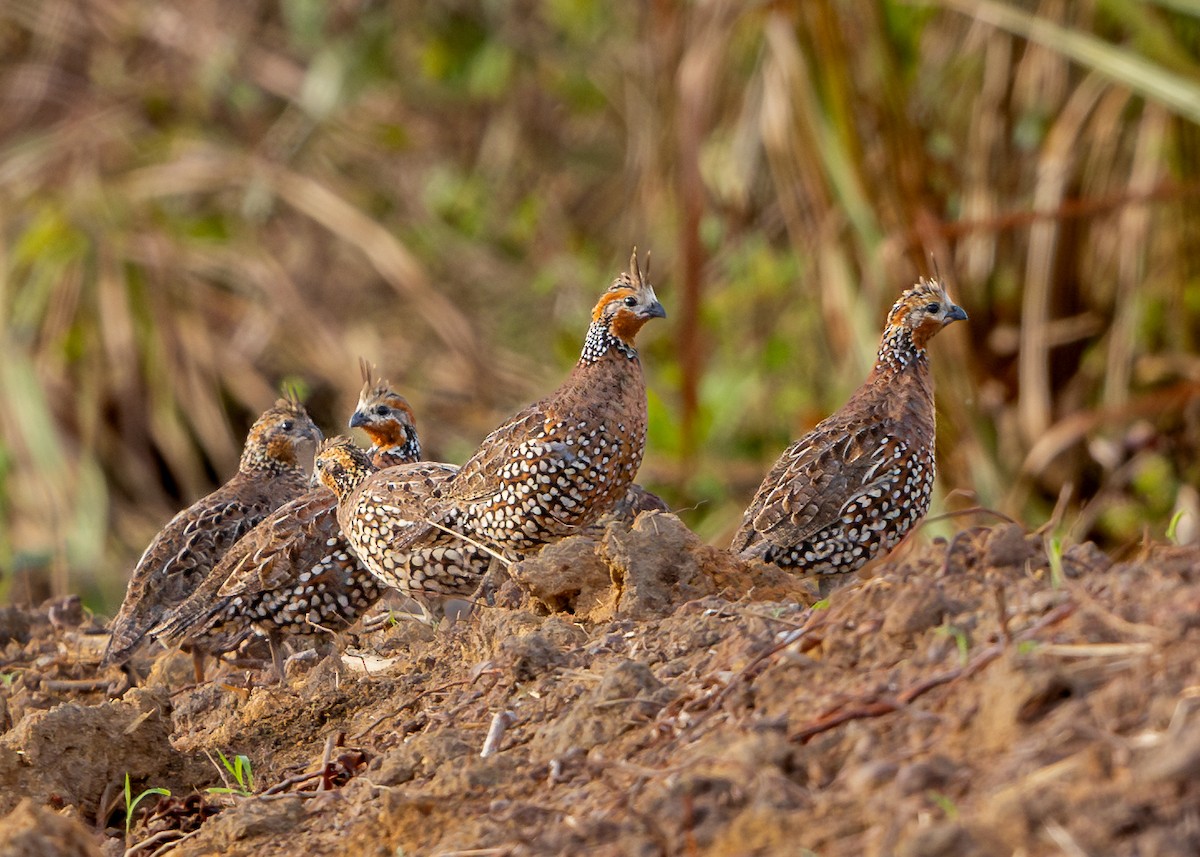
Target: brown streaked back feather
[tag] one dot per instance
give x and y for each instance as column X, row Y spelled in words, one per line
column 185, row 551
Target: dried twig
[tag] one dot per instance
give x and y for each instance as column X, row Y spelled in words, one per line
column 162, row 836
column 308, row 619
column 74, row 685
column 1002, row 608
column 283, row 785
column 107, row 803
column 325, row 784
column 170, row 846
column 1096, row 650
column 500, row 723
column 499, row 557
column 973, row 510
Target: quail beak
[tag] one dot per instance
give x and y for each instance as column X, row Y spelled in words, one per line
column 358, row 420
column 655, row 310
column 955, row 313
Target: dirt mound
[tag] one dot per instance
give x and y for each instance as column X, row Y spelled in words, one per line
column 638, row 692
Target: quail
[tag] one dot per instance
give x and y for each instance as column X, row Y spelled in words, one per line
column 854, row 486
column 377, row 508
column 187, row 549
column 548, row 472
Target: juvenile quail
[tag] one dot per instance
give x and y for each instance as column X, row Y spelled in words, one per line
column 187, row 549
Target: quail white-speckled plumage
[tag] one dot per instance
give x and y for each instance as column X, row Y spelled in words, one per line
column 548, row 472
column 566, row 460
column 376, row 510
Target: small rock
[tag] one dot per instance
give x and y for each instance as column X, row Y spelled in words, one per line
column 34, row 831
column 868, row 777
column 1007, row 547
column 14, row 625
column 65, row 612
column 921, row 776
column 948, row 839
column 1085, row 558
column 629, row 692
column 1045, row 600
column 913, row 610
column 568, row 577
column 392, row 769
column 1174, row 761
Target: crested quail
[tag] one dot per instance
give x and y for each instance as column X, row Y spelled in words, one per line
column 295, row 570
column 388, row 420
column 566, row 460
column 548, row 472
column 185, row 551
column 855, row 485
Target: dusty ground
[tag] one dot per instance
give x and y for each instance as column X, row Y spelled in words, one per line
column 660, row 699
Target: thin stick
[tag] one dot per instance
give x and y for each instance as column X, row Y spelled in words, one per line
column 1002, row 609
column 107, row 803
column 309, row 621
column 68, row 685
column 500, row 723
column 973, row 510
column 487, row 550
column 283, row 785
column 161, row 836
column 325, row 784
column 171, row 845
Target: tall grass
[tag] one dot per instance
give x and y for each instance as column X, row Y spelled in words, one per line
column 201, row 200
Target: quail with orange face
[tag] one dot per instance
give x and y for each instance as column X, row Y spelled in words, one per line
column 566, row 460
column 548, row 472
column 294, row 575
column 187, row 549
column 855, row 485
column 388, row 420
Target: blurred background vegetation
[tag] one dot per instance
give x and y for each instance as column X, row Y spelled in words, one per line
column 201, row 200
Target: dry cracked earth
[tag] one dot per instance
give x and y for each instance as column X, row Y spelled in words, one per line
column 645, row 694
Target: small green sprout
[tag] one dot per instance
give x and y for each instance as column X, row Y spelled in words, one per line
column 131, row 802
column 1054, row 551
column 945, row 804
column 1173, row 527
column 960, row 640
column 242, row 774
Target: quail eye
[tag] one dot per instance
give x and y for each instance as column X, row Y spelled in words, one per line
column 932, row 308
column 288, row 425
column 381, row 410
column 631, row 301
